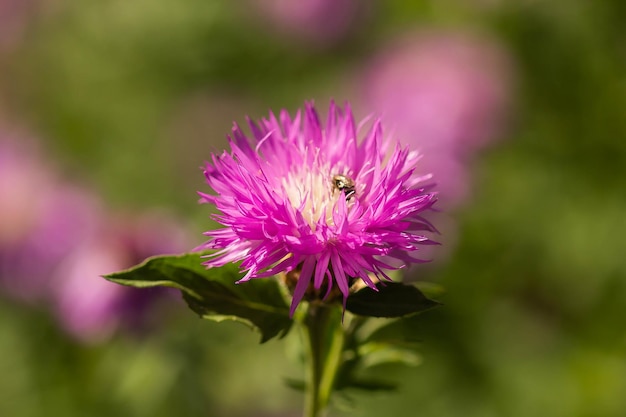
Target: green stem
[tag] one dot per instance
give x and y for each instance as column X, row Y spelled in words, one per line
column 325, row 336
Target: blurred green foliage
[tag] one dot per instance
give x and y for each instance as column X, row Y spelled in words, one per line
column 133, row 96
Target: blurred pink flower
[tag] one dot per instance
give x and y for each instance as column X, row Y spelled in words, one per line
column 14, row 15
column 453, row 177
column 91, row 308
column 442, row 89
column 445, row 94
column 68, row 218
column 40, row 220
column 87, row 305
column 24, row 181
column 56, row 241
column 317, row 21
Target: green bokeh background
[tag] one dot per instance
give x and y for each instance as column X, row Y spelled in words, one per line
column 131, row 97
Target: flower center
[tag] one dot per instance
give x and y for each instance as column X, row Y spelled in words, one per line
column 314, row 192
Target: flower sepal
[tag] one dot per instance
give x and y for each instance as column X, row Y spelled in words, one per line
column 213, row 293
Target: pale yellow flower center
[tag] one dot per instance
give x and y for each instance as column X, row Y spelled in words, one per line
column 314, row 190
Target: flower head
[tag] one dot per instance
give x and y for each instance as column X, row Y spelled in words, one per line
column 331, row 203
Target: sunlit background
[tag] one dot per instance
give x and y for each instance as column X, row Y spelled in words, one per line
column 108, row 108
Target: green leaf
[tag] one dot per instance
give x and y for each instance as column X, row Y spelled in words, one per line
column 399, row 331
column 296, row 384
column 372, row 385
column 349, row 377
column 212, row 293
column 374, row 354
column 391, row 300
column 359, row 356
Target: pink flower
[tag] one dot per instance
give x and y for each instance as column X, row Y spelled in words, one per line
column 444, row 93
column 25, row 180
column 41, row 221
column 91, row 308
column 56, row 240
column 14, row 15
column 441, row 89
column 330, row 202
column 318, row 21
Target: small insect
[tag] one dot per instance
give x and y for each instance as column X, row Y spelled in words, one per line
column 345, row 184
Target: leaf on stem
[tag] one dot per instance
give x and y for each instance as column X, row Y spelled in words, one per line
column 392, row 299
column 212, row 293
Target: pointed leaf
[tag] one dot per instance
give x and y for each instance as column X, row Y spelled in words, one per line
column 392, row 299
column 212, row 293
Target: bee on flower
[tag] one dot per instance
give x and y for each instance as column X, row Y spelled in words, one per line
column 330, row 206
